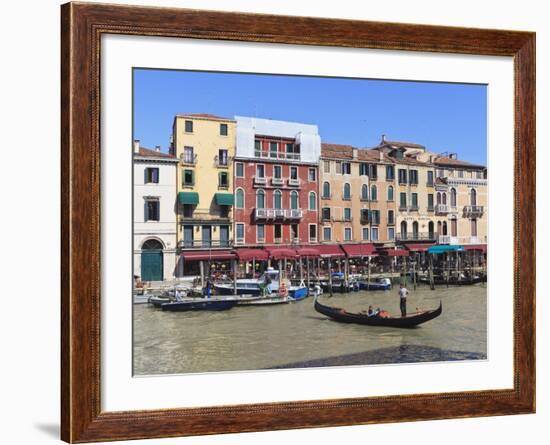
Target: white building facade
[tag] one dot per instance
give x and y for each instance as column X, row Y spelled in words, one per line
column 154, row 214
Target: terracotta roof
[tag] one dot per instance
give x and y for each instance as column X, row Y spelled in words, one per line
column 153, row 153
column 339, row 151
column 205, row 116
column 343, row 151
column 401, row 144
column 445, row 160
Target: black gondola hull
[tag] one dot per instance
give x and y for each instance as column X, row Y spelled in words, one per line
column 409, row 321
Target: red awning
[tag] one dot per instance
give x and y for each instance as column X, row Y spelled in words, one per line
column 251, row 254
column 208, row 255
column 330, row 250
column 419, row 247
column 359, row 250
column 396, row 252
column 308, row 251
column 281, row 253
column 478, row 247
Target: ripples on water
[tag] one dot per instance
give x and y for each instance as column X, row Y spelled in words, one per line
column 294, row 335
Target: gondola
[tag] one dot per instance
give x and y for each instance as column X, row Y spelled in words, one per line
column 409, row 321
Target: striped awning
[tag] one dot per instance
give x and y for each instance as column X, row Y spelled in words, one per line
column 330, row 251
column 308, row 251
column 419, row 247
column 478, row 247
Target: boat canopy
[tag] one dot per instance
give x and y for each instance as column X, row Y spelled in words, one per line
column 445, row 249
column 419, row 247
column 224, row 199
column 208, row 255
column 188, row 198
column 359, row 250
column 251, row 254
column 281, row 253
column 330, row 250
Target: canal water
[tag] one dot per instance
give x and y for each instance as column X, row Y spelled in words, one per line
column 295, row 335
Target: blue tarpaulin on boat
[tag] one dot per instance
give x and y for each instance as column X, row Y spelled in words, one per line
column 444, row 249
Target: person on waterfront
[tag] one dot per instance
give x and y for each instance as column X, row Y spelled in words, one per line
column 208, row 288
column 370, row 312
column 403, row 293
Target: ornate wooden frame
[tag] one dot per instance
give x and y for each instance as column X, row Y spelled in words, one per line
column 81, row 27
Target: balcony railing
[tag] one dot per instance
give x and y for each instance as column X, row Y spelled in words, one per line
column 415, row 236
column 460, row 240
column 278, row 214
column 277, row 155
column 277, row 181
column 260, row 180
column 189, row 244
column 223, row 161
column 441, row 209
column 293, row 182
column 473, row 211
column 189, row 159
column 444, row 239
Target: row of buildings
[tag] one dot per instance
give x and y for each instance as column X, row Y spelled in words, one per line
column 258, row 182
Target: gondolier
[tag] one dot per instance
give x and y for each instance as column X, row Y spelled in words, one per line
column 403, row 293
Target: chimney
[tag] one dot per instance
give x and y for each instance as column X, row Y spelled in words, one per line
column 157, row 148
column 354, row 152
column 383, row 138
column 381, row 155
column 136, row 145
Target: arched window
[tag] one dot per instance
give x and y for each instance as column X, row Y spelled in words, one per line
column 239, row 199
column 439, row 229
column 373, row 193
column 473, row 197
column 444, row 227
column 444, row 198
column 347, row 191
column 365, row 192
column 403, row 230
column 277, row 199
column 326, row 189
column 454, row 228
column 390, row 193
column 260, row 199
column 294, row 199
column 152, row 244
column 453, row 197
column 415, row 230
column 431, row 229
column 312, row 201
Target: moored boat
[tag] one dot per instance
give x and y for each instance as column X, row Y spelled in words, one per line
column 376, row 284
column 409, row 321
column 199, row 304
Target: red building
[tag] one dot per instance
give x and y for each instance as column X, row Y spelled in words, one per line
column 276, row 189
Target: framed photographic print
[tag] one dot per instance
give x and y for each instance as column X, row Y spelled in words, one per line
column 285, row 222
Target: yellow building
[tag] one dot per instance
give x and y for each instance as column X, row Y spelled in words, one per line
column 205, row 147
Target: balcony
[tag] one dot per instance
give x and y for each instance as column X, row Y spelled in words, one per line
column 415, row 236
column 260, row 180
column 277, row 214
column 193, row 244
column 441, row 209
column 223, row 161
column 413, row 209
column 277, row 181
column 473, row 211
column 294, row 182
column 444, row 239
column 277, row 155
column 188, row 158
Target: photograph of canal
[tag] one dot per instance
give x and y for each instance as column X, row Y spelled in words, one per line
column 284, row 222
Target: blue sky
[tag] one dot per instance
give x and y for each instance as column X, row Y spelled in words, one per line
column 444, row 117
